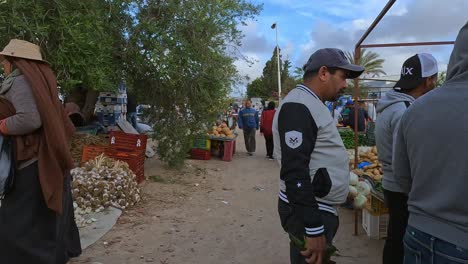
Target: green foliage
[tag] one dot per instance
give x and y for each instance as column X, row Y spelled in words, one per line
column 373, row 65
column 257, row 89
column 371, row 61
column 298, row 74
column 267, row 85
column 81, row 39
column 347, row 135
column 288, row 82
column 181, row 65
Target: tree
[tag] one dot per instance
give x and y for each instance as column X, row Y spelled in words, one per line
column 270, row 76
column 174, row 54
column 180, row 63
column 372, row 64
column 371, row 61
column 287, row 81
column 82, row 40
column 257, row 89
column 270, row 73
column 298, row 74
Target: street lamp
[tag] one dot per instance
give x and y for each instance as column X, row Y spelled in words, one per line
column 274, row 26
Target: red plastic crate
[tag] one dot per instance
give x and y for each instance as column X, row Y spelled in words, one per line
column 229, row 150
column 121, row 140
column 135, row 160
column 200, row 154
column 92, row 151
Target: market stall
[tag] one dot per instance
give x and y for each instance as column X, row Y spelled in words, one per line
column 109, row 169
column 219, row 141
column 110, row 162
column 366, row 191
column 357, row 55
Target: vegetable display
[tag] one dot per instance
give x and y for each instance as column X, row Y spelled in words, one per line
column 374, row 169
column 101, row 183
column 221, row 131
column 358, row 191
column 347, row 136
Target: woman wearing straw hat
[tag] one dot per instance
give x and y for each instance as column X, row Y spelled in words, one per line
column 36, row 217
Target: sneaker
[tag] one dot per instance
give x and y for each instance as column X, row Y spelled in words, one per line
column 250, row 153
column 271, row 158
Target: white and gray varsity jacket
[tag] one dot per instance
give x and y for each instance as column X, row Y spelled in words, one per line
column 314, row 162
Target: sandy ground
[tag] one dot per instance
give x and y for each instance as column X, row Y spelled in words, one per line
column 214, row 212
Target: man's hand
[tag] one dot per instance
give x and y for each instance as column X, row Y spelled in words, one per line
column 315, row 249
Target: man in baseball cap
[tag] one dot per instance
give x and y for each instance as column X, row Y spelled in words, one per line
column 314, row 173
column 418, row 76
column 332, row 58
column 415, row 71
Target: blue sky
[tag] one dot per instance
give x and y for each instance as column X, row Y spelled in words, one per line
column 307, row 25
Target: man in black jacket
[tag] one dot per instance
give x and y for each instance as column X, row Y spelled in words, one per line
column 314, row 173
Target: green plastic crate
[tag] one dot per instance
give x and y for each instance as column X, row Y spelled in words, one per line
column 201, row 143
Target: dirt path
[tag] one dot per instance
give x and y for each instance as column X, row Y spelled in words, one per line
column 214, row 212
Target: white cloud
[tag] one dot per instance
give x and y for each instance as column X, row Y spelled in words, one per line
column 288, row 50
column 340, row 23
column 361, row 24
column 407, row 22
column 337, row 8
column 254, row 40
column 252, row 70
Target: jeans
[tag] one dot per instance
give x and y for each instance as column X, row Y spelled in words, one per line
column 422, row 248
column 292, row 221
column 398, row 220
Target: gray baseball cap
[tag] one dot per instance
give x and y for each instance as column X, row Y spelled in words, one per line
column 335, row 58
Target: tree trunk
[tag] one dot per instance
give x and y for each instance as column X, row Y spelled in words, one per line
column 90, row 102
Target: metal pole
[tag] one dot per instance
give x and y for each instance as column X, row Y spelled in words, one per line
column 406, row 44
column 372, row 79
column 376, row 21
column 279, row 68
column 357, row 56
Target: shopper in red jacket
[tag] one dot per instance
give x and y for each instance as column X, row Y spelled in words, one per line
column 266, row 124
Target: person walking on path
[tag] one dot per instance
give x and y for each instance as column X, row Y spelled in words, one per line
column 412, row 84
column 266, row 124
column 314, row 174
column 249, row 122
column 37, row 222
column 429, row 164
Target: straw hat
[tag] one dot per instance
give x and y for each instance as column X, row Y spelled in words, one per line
column 22, row 49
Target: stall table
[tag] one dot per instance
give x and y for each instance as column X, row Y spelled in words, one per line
column 229, row 147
